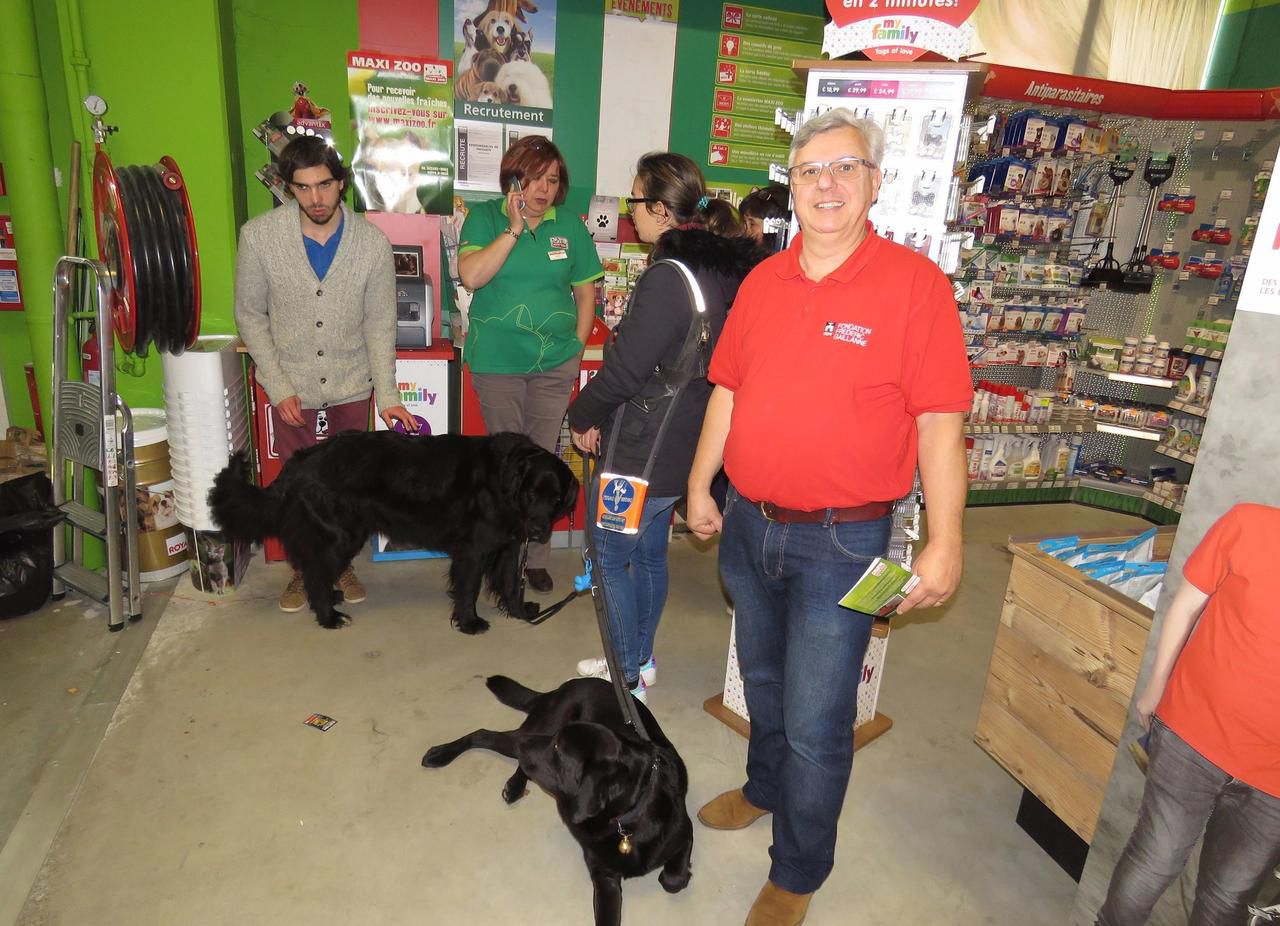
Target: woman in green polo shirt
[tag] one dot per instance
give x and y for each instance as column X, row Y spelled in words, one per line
column 532, row 271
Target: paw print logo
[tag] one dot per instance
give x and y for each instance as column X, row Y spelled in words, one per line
column 602, row 220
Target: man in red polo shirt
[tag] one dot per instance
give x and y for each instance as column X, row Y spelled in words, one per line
column 1212, row 704
column 841, row 367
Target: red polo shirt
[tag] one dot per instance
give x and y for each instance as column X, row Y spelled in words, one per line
column 828, row 378
column 1223, row 696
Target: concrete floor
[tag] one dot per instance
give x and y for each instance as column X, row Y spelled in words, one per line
column 177, row 783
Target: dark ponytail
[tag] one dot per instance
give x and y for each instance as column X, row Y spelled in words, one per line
column 676, row 182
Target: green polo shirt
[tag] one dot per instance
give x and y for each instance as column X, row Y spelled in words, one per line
column 524, row 320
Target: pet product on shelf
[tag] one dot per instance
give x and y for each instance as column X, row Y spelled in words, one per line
column 162, row 543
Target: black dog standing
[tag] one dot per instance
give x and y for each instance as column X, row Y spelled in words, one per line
column 478, row 499
column 622, row 798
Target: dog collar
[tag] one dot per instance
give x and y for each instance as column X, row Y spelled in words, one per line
column 625, row 846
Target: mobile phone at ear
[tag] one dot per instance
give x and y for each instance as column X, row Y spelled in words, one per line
column 515, row 187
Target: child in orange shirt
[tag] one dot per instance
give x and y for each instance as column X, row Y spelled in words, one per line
column 1212, row 706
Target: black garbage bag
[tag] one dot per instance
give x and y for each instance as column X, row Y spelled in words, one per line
column 27, row 519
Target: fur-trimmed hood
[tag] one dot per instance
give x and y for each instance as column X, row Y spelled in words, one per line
column 702, row 249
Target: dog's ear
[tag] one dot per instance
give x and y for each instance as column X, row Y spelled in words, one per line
column 604, row 774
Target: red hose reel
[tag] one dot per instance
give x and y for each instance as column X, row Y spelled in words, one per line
column 147, row 239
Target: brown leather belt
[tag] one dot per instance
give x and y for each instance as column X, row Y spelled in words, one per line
column 869, row 512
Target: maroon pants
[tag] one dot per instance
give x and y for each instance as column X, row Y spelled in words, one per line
column 353, row 416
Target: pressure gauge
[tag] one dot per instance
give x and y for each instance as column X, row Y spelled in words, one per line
column 95, row 104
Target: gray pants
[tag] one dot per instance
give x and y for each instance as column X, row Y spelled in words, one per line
column 1185, row 795
column 532, row 404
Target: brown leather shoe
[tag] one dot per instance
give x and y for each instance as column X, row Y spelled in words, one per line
column 730, row 811
column 539, row 579
column 776, row 907
column 353, row 590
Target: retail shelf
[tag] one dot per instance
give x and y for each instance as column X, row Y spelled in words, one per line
column 1119, row 488
column 1176, row 454
column 1200, row 411
column 1026, row 335
column 1084, row 490
column 1010, row 485
column 1162, row 501
column 1056, row 428
column 1142, row 380
column 1014, row 243
column 1202, row 352
column 1124, row 430
column 1038, row 288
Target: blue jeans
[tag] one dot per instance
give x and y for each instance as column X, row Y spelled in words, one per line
column 801, row 658
column 1186, row 795
column 632, row 570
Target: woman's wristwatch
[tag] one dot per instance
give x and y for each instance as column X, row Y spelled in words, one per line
column 508, row 231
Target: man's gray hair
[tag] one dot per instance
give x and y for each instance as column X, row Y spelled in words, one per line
column 841, row 118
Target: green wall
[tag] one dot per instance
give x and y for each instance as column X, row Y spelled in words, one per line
column 15, row 345
column 163, row 69
column 274, row 48
column 1244, row 53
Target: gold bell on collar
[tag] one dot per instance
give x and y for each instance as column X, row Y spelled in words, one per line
column 624, row 842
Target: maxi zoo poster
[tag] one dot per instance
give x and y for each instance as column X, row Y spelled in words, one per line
column 506, row 56
column 404, row 132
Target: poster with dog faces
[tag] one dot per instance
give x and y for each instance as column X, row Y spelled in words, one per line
column 403, row 114
column 506, row 53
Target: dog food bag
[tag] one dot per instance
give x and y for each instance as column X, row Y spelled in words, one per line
column 1139, row 549
column 1136, row 579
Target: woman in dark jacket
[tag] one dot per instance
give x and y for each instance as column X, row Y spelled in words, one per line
column 670, row 208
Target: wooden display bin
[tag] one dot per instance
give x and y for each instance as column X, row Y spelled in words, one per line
column 1065, row 664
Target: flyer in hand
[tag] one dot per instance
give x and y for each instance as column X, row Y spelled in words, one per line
column 881, row 589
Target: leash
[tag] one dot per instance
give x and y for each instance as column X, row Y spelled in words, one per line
column 630, row 713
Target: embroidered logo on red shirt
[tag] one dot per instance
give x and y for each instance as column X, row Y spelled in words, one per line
column 853, row 334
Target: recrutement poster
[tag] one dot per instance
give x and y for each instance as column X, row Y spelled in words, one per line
column 505, row 52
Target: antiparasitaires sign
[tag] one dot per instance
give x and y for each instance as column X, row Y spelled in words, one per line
column 403, row 111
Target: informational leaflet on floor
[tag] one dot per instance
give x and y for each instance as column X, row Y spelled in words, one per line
column 881, row 589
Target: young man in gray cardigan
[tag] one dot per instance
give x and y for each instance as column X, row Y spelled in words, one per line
column 316, row 307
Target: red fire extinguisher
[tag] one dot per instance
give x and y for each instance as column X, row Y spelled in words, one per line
column 91, row 360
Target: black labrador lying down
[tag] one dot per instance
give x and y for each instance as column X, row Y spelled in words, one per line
column 478, row 499
column 622, row 799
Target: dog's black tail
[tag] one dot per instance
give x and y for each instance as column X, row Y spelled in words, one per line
column 243, row 510
column 511, row 693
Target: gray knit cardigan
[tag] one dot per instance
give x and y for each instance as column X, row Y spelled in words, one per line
column 326, row 341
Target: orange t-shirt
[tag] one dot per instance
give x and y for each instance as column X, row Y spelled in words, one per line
column 1223, row 696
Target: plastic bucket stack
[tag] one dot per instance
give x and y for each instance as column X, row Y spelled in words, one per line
column 204, row 395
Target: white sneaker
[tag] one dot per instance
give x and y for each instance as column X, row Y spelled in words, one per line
column 641, row 692
column 598, row 667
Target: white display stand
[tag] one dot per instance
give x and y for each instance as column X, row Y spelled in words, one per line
column 730, row 706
